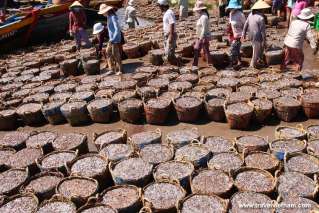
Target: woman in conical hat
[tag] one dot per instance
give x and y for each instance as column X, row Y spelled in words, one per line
column 255, row 27
column 299, row 31
column 203, row 34
column 235, row 30
column 77, row 25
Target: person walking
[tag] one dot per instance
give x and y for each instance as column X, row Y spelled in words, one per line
column 170, row 35
column 277, row 6
column 130, row 15
column 183, row 9
column 236, row 25
column 77, row 25
column 113, row 49
column 203, row 34
column 299, row 30
column 101, row 35
column 255, row 27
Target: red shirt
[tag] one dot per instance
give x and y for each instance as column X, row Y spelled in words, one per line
column 77, row 21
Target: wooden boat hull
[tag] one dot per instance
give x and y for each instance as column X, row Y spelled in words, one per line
column 48, row 24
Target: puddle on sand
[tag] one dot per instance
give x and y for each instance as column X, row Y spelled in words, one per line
column 121, row 15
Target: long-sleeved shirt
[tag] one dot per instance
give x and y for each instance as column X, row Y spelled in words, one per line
column 130, row 14
column 255, row 27
column 114, row 29
column 298, row 32
column 202, row 27
column 237, row 21
column 77, row 20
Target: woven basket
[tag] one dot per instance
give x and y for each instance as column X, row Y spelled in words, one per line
column 299, row 128
column 248, row 148
column 261, row 114
column 136, row 182
column 314, row 159
column 131, row 114
column 15, row 190
column 184, row 182
column 93, row 203
column 122, row 139
column 198, row 163
column 189, row 114
column 238, row 121
column 310, row 105
column 57, row 198
column 103, row 177
column 286, row 113
column 63, row 169
column 221, row 175
column 149, row 204
column 69, row 67
column 273, row 169
column 76, row 116
column 31, row 118
column 215, row 113
column 78, row 200
column 268, row 174
column 101, row 114
column 135, row 206
column 156, row 115
column 91, row 67
column 223, row 202
column 53, row 113
column 6, row 200
column 310, row 134
column 8, row 120
column 139, row 146
column 3, row 165
column 145, row 46
column 281, row 154
column 44, row 195
column 132, row 50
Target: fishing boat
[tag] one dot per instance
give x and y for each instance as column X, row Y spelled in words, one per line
column 40, row 23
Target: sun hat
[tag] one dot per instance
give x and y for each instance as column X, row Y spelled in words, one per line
column 199, row 6
column 97, row 28
column 260, row 4
column 131, row 2
column 163, row 2
column 75, row 4
column 233, row 4
column 306, row 14
column 104, row 9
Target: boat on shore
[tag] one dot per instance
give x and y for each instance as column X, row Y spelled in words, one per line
column 38, row 24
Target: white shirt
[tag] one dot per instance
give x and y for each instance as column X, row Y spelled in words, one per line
column 168, row 19
column 130, row 14
column 297, row 33
column 202, row 27
column 237, row 21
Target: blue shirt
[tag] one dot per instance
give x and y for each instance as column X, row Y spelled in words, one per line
column 114, row 29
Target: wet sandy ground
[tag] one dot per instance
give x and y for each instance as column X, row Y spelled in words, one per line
column 205, row 127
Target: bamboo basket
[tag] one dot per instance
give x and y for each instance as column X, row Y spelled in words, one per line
column 134, row 206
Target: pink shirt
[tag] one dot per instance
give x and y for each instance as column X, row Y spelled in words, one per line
column 299, row 6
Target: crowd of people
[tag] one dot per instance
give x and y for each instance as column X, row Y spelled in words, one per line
column 239, row 29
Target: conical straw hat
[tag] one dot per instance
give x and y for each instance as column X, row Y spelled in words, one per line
column 260, row 4
column 76, row 4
